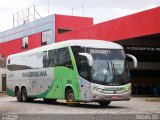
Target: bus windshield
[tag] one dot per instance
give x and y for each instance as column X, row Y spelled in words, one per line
column 109, row 66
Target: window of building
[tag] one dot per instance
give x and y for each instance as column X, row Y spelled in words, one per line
column 25, row 42
column 60, row 31
column 46, row 37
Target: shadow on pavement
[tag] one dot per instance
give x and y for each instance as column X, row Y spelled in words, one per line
column 90, row 105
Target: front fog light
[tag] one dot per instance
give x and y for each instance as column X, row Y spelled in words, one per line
column 126, row 89
column 95, row 97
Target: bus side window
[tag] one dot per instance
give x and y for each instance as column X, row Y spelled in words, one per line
column 45, row 60
column 59, row 57
column 8, row 61
column 64, row 58
column 52, row 58
column 9, row 66
column 39, row 59
column 81, row 62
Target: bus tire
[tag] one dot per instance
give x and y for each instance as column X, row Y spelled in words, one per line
column 30, row 99
column 24, row 95
column 70, row 98
column 104, row 103
column 18, row 95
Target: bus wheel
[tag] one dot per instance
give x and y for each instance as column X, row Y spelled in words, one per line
column 30, row 99
column 18, row 95
column 70, row 98
column 104, row 103
column 24, row 95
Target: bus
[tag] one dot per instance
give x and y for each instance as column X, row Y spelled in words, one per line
column 74, row 70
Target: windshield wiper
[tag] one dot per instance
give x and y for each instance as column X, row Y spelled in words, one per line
column 106, row 76
column 116, row 72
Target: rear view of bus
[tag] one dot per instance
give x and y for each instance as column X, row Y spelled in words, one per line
column 74, row 70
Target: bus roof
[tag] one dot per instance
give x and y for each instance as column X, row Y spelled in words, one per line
column 81, row 42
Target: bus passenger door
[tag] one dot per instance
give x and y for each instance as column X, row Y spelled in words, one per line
column 58, row 88
column 57, row 93
column 61, row 61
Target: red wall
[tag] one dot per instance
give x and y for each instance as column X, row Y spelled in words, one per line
column 70, row 22
column 10, row 47
column 15, row 46
column 35, row 40
column 135, row 25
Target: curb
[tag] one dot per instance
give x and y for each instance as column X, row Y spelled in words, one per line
column 3, row 94
column 154, row 99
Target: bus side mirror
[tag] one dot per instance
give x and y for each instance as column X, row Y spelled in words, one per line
column 134, row 60
column 89, row 58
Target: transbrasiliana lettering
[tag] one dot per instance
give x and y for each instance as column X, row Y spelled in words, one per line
column 35, row 74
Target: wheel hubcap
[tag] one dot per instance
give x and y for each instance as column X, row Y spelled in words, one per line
column 70, row 97
column 24, row 96
column 18, row 94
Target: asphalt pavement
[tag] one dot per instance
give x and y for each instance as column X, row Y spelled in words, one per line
column 136, row 108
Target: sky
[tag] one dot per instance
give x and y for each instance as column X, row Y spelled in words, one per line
column 100, row 10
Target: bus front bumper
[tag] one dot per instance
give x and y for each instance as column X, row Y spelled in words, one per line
column 98, row 96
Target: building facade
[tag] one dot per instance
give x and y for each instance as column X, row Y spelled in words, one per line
column 138, row 33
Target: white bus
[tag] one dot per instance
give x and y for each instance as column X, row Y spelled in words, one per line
column 74, row 70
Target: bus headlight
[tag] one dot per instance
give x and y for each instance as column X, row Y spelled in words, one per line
column 127, row 88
